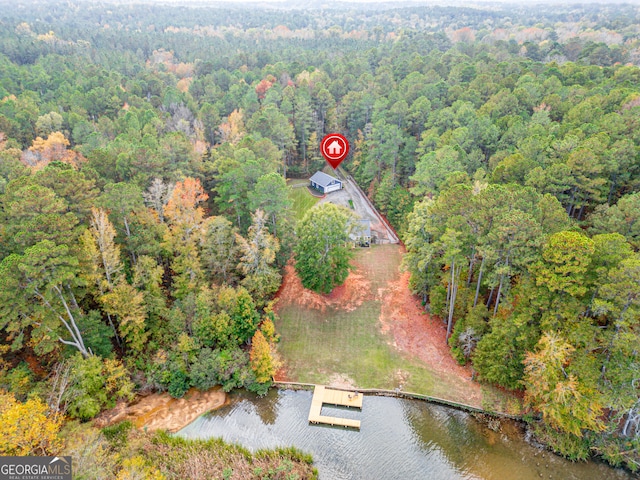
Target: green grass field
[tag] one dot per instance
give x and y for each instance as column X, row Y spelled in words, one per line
column 315, row 345
column 302, row 199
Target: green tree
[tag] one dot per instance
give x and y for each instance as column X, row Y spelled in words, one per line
column 96, row 384
column 241, row 309
column 123, row 201
column 32, row 213
column 37, row 296
column 323, row 252
column 566, row 259
column 220, row 250
column 433, row 169
column 236, row 171
column 623, row 218
column 270, row 123
column 618, row 299
column 271, row 195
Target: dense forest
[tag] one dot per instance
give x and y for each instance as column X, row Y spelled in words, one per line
column 145, row 217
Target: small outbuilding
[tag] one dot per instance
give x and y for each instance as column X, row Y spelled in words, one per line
column 361, row 236
column 325, row 183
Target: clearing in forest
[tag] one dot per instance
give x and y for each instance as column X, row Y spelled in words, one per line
column 372, row 333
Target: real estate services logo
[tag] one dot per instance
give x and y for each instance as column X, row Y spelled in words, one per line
column 35, row 468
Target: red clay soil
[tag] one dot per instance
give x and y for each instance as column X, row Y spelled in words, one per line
column 348, row 296
column 416, row 333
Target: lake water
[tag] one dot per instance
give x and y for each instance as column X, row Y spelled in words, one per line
column 399, row 439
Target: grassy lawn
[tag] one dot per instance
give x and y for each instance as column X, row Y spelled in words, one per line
column 302, row 200
column 297, row 181
column 317, row 344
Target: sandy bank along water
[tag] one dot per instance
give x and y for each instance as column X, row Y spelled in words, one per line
column 160, row 411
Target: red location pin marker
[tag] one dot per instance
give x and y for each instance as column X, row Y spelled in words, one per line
column 334, row 148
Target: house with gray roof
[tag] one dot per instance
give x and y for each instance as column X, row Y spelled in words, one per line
column 325, row 183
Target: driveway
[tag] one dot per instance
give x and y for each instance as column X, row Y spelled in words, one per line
column 363, row 207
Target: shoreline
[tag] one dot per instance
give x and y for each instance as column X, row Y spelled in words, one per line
column 380, row 392
column 160, row 411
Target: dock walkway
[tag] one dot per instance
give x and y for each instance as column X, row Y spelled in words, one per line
column 323, row 395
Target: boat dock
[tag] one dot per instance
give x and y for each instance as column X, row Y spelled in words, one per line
column 329, row 396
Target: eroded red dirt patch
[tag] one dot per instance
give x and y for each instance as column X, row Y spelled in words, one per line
column 348, row 296
column 416, row 333
column 282, row 375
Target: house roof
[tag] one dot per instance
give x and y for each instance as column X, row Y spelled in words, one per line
column 321, row 178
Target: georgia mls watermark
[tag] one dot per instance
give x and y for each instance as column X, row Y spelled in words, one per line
column 35, row 468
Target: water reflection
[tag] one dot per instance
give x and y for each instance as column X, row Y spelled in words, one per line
column 399, row 439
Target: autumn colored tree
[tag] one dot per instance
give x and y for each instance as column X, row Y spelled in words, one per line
column 233, row 129
column 99, row 257
column 137, row 467
column 183, row 210
column 54, row 148
column 185, row 217
column 126, row 303
column 263, row 361
column 262, row 87
column 28, row 428
column 568, row 403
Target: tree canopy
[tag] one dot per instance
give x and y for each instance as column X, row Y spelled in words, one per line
column 145, row 215
column 323, row 251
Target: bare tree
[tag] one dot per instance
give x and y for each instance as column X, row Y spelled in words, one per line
column 157, row 196
column 59, row 383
